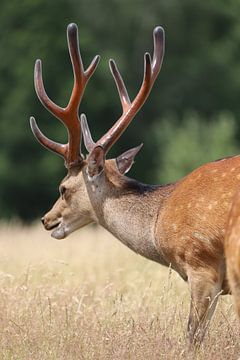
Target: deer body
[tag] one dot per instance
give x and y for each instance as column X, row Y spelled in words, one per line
column 148, row 219
column 201, row 201
column 181, row 225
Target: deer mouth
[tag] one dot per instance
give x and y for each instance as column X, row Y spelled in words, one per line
column 60, row 231
column 53, row 226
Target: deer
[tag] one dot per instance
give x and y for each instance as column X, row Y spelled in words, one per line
column 181, row 225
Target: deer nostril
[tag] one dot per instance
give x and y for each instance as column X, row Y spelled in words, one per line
column 42, row 220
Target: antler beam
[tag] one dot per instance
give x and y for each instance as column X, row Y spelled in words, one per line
column 68, row 115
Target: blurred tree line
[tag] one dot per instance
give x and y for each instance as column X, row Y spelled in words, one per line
column 191, row 116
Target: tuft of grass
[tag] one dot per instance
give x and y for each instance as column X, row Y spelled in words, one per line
column 89, row 297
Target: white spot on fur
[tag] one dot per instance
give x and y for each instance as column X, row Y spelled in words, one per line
column 224, row 174
column 185, row 237
column 210, row 206
column 200, row 236
column 232, row 169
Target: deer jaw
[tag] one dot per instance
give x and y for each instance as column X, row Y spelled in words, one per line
column 72, row 210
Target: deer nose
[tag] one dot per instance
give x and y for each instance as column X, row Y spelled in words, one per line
column 43, row 220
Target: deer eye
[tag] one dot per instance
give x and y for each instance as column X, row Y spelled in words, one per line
column 62, row 191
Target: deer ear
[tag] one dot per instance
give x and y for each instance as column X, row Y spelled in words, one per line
column 125, row 161
column 95, row 161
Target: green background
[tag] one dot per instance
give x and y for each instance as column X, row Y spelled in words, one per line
column 192, row 115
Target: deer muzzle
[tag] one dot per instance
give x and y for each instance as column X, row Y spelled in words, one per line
column 60, row 229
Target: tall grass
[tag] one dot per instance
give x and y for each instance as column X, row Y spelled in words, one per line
column 89, row 297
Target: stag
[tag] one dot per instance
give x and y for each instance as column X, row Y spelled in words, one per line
column 181, row 225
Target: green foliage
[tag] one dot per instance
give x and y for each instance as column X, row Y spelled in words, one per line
column 187, row 144
column 201, row 71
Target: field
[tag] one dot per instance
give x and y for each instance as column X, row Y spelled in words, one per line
column 89, row 297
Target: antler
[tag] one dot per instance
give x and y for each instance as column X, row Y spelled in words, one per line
column 130, row 109
column 68, row 115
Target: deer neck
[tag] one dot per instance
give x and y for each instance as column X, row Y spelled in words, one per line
column 128, row 209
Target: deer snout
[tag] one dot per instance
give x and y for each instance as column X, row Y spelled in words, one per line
column 50, row 223
column 45, row 222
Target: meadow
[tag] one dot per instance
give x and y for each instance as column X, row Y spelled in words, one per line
column 89, row 297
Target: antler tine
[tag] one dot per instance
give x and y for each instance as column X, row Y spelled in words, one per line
column 77, row 66
column 81, row 77
column 69, row 115
column 122, row 91
column 87, row 137
column 41, row 92
column 58, row 148
column 90, row 70
column 151, row 70
column 158, row 53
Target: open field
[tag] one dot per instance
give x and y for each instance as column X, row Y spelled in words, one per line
column 89, row 297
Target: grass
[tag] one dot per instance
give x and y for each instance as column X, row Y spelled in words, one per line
column 89, row 297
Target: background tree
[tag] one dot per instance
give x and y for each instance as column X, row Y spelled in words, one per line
column 191, row 116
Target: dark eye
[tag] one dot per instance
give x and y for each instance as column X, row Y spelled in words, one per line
column 62, row 191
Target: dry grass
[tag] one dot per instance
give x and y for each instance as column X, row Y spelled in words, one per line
column 89, row 297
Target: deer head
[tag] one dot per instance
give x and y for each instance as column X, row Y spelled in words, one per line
column 73, row 209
